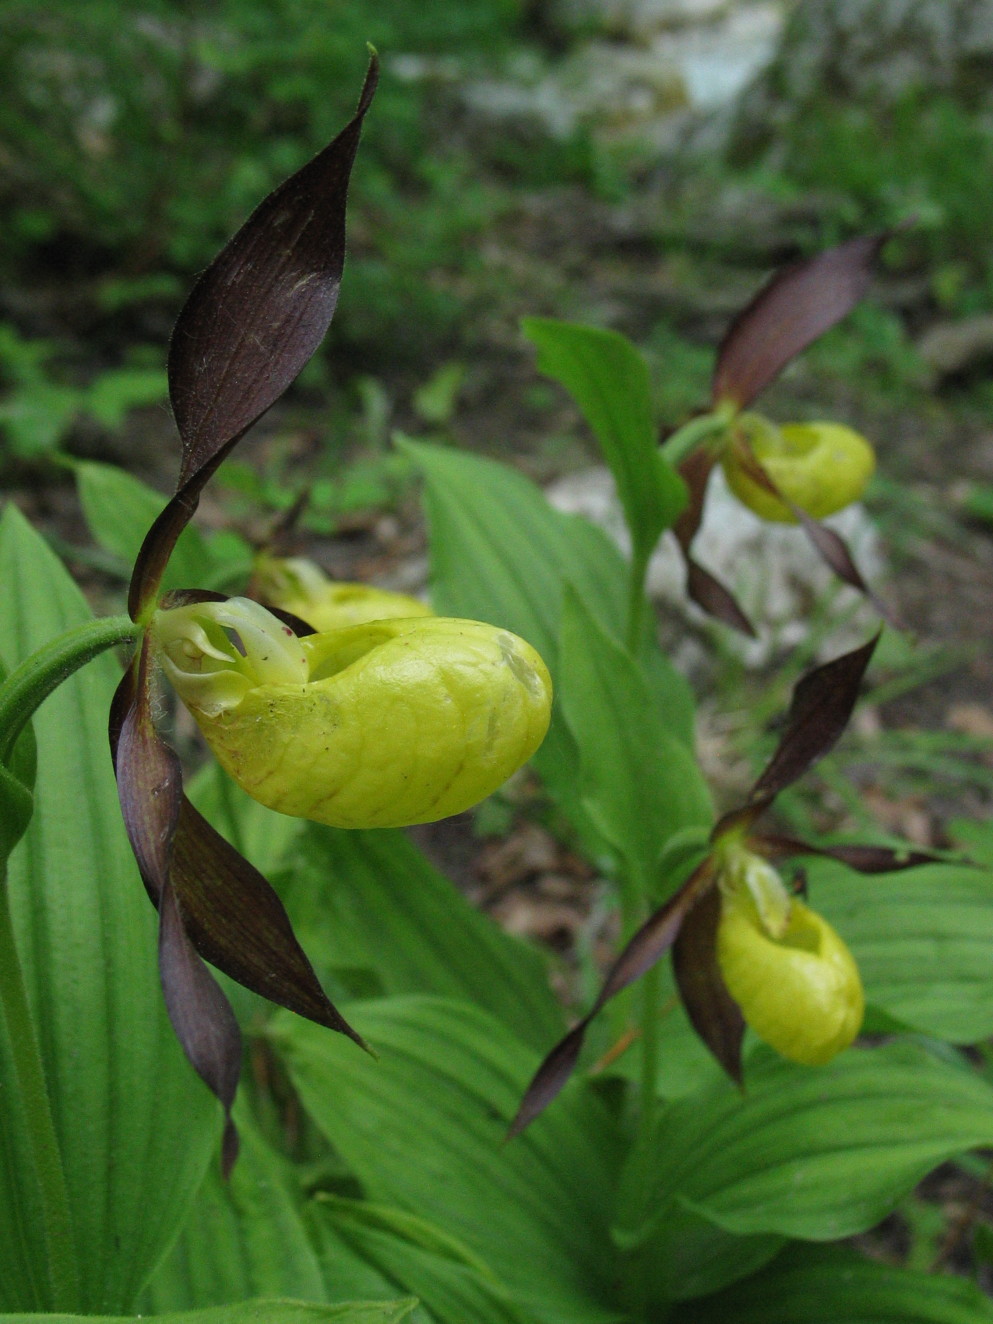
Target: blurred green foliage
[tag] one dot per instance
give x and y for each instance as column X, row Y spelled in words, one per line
column 136, row 138
column 920, row 163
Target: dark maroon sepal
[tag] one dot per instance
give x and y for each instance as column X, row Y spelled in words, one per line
column 711, row 596
column 823, row 701
column 835, row 553
column 713, row 1012
column 201, row 1016
column 703, row 588
column 829, row 546
column 695, row 472
column 550, row 1078
column 252, row 321
column 238, row 923
column 797, row 305
column 738, row 822
column 149, row 778
column 864, row 859
column 262, row 307
column 648, row 945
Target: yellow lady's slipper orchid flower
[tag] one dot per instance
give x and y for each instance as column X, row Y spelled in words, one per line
column 383, row 724
column 301, row 587
column 792, row 976
column 820, row 467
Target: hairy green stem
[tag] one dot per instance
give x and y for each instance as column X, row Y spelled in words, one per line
column 29, row 1088
column 39, row 675
column 693, row 434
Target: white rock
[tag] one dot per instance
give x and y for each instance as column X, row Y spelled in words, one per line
column 771, row 569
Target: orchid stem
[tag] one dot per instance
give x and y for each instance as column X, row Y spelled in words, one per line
column 30, row 1100
column 685, row 440
column 636, row 601
column 39, row 675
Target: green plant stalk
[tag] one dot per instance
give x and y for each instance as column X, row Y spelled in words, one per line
column 39, row 675
column 20, row 695
column 636, row 600
column 693, row 434
column 31, row 1089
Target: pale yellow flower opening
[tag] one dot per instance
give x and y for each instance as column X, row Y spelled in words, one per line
column 792, row 976
column 383, row 724
column 820, row 467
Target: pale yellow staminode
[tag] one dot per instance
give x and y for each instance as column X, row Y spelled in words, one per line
column 820, row 467
column 792, row 976
column 301, row 587
column 378, row 725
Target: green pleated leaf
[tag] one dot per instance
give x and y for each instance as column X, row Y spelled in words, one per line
column 810, row 1152
column 135, row 1128
column 609, row 380
column 409, row 1254
column 244, row 1237
column 423, row 1129
column 922, row 940
column 640, row 784
column 500, row 553
column 249, row 1312
column 371, row 900
column 120, row 509
column 827, row 1285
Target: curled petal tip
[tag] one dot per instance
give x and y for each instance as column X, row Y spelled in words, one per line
column 297, row 585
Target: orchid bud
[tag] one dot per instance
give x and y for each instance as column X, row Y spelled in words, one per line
column 820, row 467
column 792, row 976
column 299, row 586
column 382, row 724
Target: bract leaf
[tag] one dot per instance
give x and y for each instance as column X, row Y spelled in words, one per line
column 609, row 380
column 640, row 784
column 714, row 1014
column 648, row 945
column 797, row 305
column 822, row 704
